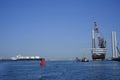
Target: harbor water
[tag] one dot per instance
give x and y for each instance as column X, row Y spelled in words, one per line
column 60, row 70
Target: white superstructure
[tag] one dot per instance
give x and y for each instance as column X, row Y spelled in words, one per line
column 25, row 57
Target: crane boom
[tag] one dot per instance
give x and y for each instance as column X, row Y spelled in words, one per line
column 101, row 41
column 96, row 27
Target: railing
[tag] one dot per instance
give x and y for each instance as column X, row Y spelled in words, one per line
column 98, row 50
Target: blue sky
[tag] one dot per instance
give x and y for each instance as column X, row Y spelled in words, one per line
column 55, row 28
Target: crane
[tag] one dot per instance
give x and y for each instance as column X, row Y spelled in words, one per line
column 101, row 41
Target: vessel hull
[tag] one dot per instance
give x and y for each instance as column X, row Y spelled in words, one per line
column 98, row 56
column 116, row 59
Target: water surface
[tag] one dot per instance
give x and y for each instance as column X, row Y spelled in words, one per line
column 60, row 70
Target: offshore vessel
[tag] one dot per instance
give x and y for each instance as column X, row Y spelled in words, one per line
column 98, row 52
column 21, row 58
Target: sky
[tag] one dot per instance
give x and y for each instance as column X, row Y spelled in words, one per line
column 55, row 28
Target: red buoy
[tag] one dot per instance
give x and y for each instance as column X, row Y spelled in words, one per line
column 42, row 62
